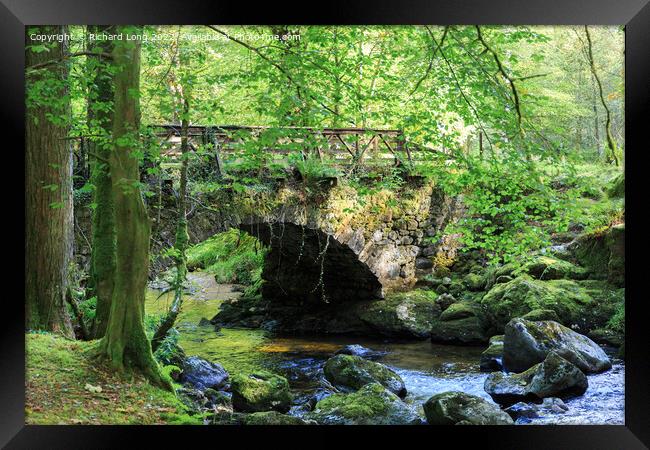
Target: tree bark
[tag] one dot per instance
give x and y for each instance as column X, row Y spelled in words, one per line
column 100, row 123
column 48, row 190
column 611, row 143
column 125, row 342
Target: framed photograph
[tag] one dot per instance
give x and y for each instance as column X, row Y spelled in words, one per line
column 381, row 219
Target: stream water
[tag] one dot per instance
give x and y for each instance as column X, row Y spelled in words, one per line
column 426, row 368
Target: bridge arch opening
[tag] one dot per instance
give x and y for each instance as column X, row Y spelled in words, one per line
column 306, row 266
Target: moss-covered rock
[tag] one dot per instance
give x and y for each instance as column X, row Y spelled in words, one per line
column 554, row 377
column 351, row 372
column 603, row 253
column 464, row 322
column 406, row 314
column 452, row 408
column 608, row 309
column 246, row 312
column 606, row 337
column 492, row 357
column 271, row 418
column 524, row 294
column 541, row 314
column 528, row 343
column 616, row 188
column 371, row 405
column 548, row 268
column 474, row 282
column 260, row 391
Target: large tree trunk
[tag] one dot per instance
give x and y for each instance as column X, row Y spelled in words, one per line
column 125, row 341
column 100, row 123
column 48, row 189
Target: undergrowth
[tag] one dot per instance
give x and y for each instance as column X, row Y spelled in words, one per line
column 232, row 256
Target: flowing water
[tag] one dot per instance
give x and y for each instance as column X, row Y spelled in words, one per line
column 426, row 368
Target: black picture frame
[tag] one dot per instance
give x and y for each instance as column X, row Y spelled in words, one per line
column 633, row 14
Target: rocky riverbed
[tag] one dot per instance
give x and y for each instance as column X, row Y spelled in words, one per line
column 426, row 368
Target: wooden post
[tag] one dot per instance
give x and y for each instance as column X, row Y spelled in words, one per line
column 212, row 136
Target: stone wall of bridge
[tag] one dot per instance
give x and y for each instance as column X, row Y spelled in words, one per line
column 328, row 243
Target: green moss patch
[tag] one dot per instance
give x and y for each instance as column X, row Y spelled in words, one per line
column 65, row 386
column 518, row 297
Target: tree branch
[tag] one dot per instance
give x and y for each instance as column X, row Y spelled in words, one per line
column 433, row 54
column 277, row 66
column 63, row 58
column 511, row 81
column 462, row 93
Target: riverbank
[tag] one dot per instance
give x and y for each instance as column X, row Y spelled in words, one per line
column 64, row 386
column 426, row 368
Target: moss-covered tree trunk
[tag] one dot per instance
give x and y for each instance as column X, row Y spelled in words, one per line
column 125, row 342
column 100, row 123
column 48, row 188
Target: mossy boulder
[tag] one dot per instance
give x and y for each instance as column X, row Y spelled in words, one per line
column 554, row 377
column 349, row 372
column 606, row 337
column 603, row 253
column 548, row 268
column 608, row 308
column 455, row 408
column 271, row 418
column 260, row 391
column 524, row 294
column 474, row 282
column 541, row 314
column 406, row 314
column 616, row 188
column 464, row 322
column 528, row 343
column 370, row 405
column 492, row 357
column 246, row 312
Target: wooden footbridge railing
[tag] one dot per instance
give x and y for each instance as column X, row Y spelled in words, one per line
column 347, row 148
column 343, row 146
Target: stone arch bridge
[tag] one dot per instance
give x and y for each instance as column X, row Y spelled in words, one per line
column 328, row 243
column 335, row 246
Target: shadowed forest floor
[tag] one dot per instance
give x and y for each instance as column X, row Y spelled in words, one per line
column 63, row 388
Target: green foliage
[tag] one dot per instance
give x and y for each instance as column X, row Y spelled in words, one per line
column 617, row 322
column 233, row 256
column 313, row 168
column 88, row 308
column 512, row 209
column 168, row 349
